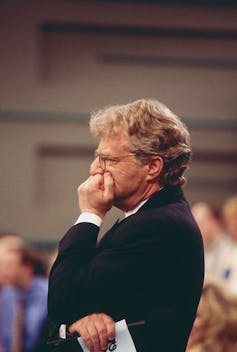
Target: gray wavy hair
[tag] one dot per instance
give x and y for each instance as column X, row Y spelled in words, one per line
column 152, row 129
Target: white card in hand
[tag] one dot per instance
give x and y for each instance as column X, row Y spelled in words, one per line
column 123, row 339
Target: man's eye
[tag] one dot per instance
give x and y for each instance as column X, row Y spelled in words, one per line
column 111, row 160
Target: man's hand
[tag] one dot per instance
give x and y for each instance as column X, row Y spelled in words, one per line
column 96, row 330
column 96, row 194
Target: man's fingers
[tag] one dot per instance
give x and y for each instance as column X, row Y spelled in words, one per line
column 94, row 337
column 110, row 326
column 102, row 333
column 96, row 330
column 95, row 181
column 81, row 327
column 106, row 329
column 73, row 328
column 108, row 186
column 96, row 194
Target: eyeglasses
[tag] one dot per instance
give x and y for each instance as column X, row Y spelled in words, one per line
column 109, row 160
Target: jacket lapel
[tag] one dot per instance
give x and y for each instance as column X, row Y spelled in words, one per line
column 165, row 196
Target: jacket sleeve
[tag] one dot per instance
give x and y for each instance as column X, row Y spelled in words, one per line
column 76, row 249
column 86, row 278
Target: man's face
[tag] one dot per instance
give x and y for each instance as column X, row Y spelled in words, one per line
column 9, row 267
column 130, row 176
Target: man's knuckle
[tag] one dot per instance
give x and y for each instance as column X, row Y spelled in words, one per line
column 94, row 334
column 107, row 319
column 86, row 338
column 102, row 331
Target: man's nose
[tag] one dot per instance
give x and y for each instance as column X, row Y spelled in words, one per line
column 96, row 168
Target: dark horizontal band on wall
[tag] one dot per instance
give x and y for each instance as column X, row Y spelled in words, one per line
column 65, row 151
column 211, row 184
column 43, row 116
column 207, row 123
column 215, row 156
column 66, row 27
column 171, row 61
column 225, row 3
column 48, row 245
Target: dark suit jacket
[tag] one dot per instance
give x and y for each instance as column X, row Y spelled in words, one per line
column 148, row 267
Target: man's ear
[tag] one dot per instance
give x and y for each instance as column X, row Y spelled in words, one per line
column 155, row 167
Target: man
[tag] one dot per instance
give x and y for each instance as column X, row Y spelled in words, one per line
column 149, row 266
column 9, row 242
column 24, row 269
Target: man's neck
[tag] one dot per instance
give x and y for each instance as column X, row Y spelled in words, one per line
column 134, row 202
column 133, row 211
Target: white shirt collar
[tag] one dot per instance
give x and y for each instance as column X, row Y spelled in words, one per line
column 133, row 211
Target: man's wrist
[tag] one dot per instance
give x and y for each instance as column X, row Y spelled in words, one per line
column 90, row 218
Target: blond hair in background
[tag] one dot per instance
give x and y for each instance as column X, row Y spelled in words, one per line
column 230, row 207
column 215, row 327
column 229, row 213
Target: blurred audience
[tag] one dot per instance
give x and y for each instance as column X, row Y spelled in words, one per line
column 215, row 240
column 23, row 276
column 52, row 258
column 230, row 262
column 215, row 327
column 8, row 294
column 10, row 240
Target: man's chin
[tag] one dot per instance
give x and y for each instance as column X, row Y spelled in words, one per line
column 121, row 203
column 118, row 203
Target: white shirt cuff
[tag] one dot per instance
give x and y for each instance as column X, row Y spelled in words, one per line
column 89, row 217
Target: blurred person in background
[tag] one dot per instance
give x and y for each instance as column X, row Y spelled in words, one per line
column 215, row 327
column 230, row 259
column 51, row 259
column 10, row 240
column 210, row 222
column 8, row 294
column 27, row 274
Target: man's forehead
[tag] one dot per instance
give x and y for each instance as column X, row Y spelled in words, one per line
column 112, row 144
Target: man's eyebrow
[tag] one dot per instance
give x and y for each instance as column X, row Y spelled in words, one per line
column 98, row 153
